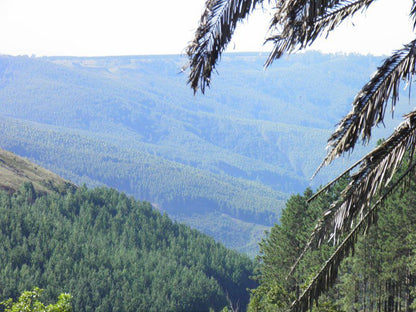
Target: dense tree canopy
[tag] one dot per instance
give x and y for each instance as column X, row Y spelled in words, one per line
column 113, row 253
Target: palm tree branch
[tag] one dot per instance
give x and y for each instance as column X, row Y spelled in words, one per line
column 370, row 104
column 327, row 275
column 376, row 170
column 334, row 181
column 216, row 27
column 413, row 14
column 302, row 22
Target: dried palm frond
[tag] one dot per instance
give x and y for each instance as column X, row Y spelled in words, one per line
column 413, row 14
column 334, row 181
column 327, row 275
column 216, row 27
column 370, row 104
column 299, row 23
column 375, row 171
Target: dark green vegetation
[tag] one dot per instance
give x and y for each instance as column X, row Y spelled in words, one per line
column 380, row 275
column 113, row 253
column 224, row 163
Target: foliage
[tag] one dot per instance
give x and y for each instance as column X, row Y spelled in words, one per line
column 282, row 246
column 29, row 302
column 113, row 253
column 380, row 276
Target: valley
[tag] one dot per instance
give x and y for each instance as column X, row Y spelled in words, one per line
column 223, row 162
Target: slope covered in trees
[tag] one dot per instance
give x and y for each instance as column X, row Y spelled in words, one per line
column 224, row 163
column 378, row 276
column 113, row 253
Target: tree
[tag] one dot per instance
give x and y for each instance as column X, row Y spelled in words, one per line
column 295, row 25
column 29, row 301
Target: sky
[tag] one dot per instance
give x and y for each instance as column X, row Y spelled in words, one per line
column 141, row 27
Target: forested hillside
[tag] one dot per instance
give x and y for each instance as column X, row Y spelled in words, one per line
column 378, row 276
column 113, row 253
column 224, row 163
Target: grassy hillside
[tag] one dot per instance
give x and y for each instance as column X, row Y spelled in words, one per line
column 15, row 171
column 230, row 157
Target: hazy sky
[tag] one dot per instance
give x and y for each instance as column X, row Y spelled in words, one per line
column 132, row 27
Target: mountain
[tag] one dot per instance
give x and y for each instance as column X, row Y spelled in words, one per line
column 224, row 162
column 109, row 251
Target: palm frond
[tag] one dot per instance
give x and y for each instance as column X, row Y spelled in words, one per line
column 299, row 23
column 327, row 275
column 413, row 14
column 375, row 171
column 334, row 181
column 216, row 27
column 370, row 104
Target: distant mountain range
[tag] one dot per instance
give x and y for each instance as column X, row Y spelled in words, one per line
column 224, row 162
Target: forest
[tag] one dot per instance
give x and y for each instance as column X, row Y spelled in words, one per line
column 224, row 163
column 111, row 252
column 378, row 275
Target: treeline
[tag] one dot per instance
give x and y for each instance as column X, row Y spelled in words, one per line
column 378, row 276
column 113, row 253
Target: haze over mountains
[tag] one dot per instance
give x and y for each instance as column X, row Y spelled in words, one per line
column 224, row 162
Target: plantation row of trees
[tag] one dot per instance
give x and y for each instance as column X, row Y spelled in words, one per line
column 113, row 253
column 379, row 275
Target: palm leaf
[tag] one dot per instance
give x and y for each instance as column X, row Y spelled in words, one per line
column 327, row 275
column 299, row 23
column 375, row 171
column 413, row 14
column 215, row 30
column 369, row 106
